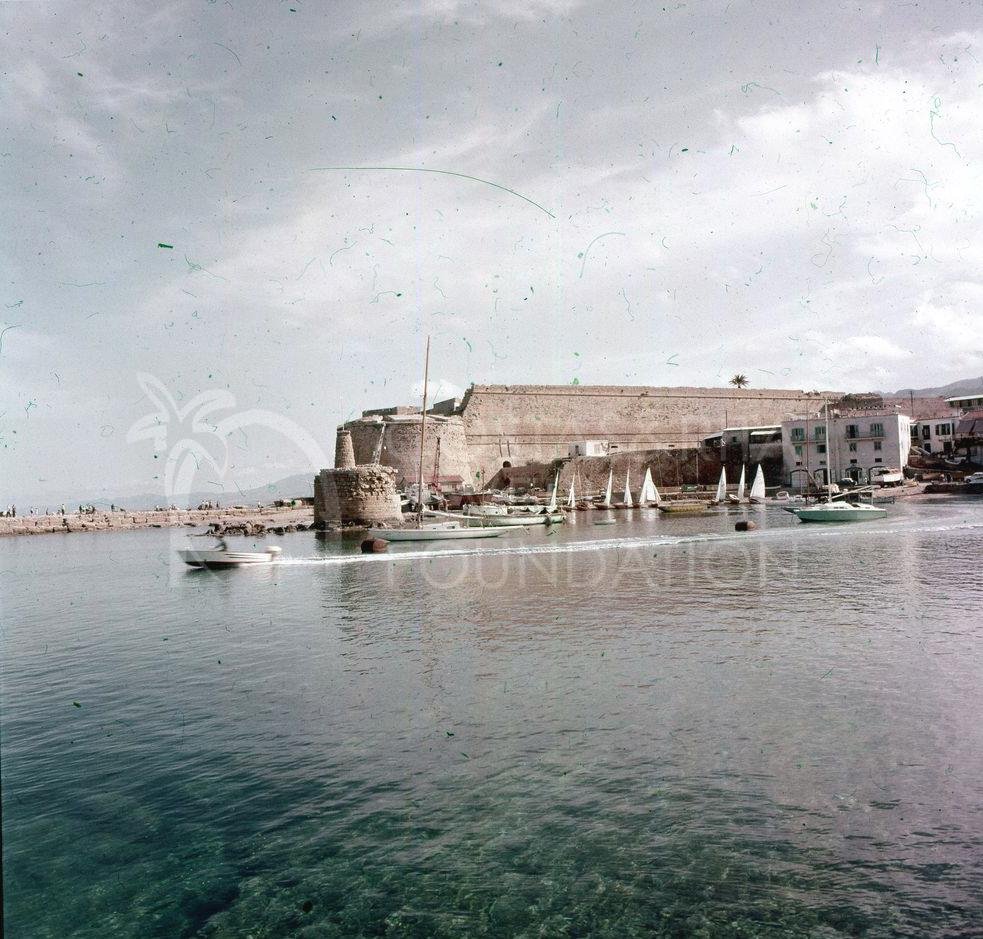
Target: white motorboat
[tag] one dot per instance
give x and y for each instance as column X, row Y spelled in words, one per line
column 443, row 531
column 838, row 511
column 222, row 557
column 834, row 510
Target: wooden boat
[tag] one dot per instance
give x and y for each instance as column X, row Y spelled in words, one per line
column 222, row 557
column 684, row 507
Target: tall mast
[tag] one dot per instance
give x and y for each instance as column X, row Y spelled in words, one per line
column 829, row 465
column 423, row 433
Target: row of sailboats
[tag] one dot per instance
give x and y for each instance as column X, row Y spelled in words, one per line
column 756, row 495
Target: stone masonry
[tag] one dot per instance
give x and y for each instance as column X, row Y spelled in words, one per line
column 520, row 424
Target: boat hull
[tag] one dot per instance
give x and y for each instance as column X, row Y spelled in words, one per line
column 219, row 560
column 825, row 514
column 684, row 508
column 510, row 521
column 433, row 534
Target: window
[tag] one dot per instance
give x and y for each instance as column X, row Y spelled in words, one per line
column 943, row 430
column 798, row 462
column 853, row 462
column 926, row 432
column 820, row 432
column 877, row 459
column 927, row 447
column 877, row 445
column 798, row 450
column 877, row 430
column 852, row 431
column 798, row 433
column 820, row 448
column 853, row 448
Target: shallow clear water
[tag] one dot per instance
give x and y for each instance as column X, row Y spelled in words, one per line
column 659, row 727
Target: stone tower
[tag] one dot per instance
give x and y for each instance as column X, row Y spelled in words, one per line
column 344, row 452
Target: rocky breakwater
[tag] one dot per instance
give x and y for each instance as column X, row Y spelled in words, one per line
column 231, row 521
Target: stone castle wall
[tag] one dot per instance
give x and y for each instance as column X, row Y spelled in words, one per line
column 670, row 469
column 537, row 423
column 363, row 495
column 401, row 447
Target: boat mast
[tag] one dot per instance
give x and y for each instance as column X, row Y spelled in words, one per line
column 423, row 432
column 829, row 471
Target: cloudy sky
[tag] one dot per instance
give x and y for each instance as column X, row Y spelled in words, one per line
column 616, row 193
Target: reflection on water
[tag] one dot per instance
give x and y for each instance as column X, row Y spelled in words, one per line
column 659, row 727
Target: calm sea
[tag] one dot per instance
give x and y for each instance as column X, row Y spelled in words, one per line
column 657, row 727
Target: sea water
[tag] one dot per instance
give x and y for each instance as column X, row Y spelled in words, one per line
column 657, row 727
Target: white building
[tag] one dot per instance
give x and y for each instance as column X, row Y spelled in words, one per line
column 591, row 448
column 859, row 441
column 964, row 403
column 935, row 435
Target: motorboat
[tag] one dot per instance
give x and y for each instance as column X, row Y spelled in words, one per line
column 838, row 511
column 222, row 557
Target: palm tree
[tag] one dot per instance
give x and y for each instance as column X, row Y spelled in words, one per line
column 739, row 380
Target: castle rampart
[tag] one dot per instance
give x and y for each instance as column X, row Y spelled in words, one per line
column 519, row 424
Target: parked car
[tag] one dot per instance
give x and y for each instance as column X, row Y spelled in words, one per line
column 976, row 479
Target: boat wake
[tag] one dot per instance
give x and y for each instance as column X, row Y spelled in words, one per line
column 607, row 544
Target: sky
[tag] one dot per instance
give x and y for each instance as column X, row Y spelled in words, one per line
column 231, row 226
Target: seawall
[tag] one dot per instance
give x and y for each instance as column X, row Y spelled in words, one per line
column 129, row 521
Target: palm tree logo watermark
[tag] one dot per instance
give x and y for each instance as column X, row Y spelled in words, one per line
column 195, row 435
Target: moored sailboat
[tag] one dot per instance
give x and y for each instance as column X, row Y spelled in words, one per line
column 757, row 494
column 738, row 497
column 721, row 495
column 442, row 531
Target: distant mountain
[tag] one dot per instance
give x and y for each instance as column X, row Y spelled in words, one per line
column 964, row 387
column 291, row 487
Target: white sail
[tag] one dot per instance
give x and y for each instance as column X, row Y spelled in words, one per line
column 656, row 498
column 722, row 485
column 645, row 496
column 627, row 500
column 552, row 503
column 758, row 486
column 740, row 486
column 571, row 500
column 607, row 495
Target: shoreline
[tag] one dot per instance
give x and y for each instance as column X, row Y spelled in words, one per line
column 271, row 517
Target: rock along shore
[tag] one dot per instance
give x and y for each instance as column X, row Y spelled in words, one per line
column 265, row 519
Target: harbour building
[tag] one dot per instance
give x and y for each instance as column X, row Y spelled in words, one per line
column 860, row 444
